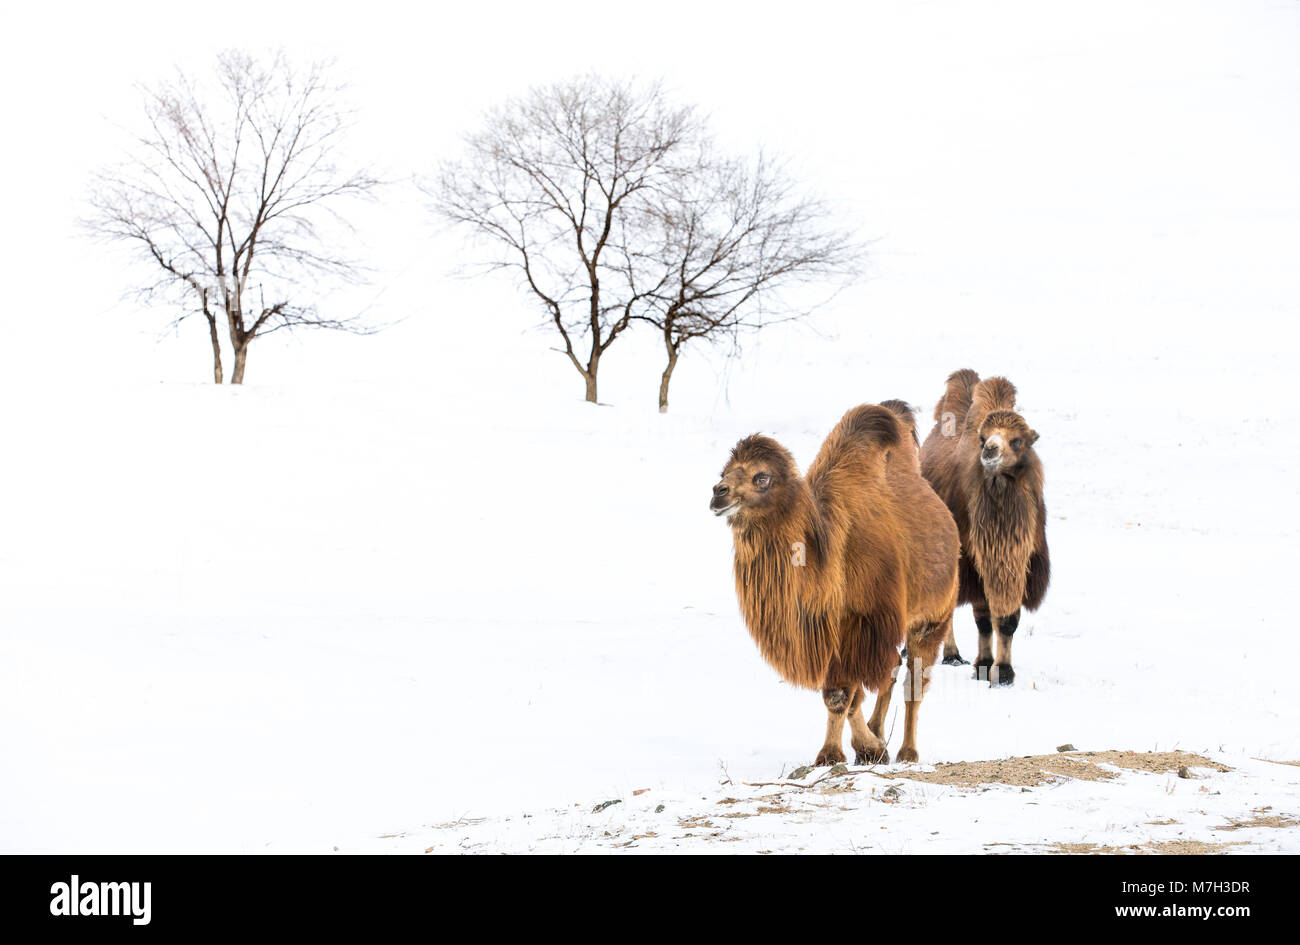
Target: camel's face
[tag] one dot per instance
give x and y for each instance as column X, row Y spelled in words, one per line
column 754, row 481
column 744, row 487
column 1005, row 440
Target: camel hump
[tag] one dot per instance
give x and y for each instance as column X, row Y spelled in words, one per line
column 906, row 416
column 957, row 394
column 873, row 425
column 996, row 393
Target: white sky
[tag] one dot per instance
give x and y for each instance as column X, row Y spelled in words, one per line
column 1025, row 156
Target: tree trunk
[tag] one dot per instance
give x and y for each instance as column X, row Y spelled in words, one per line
column 217, row 374
column 667, row 377
column 589, row 375
column 241, row 357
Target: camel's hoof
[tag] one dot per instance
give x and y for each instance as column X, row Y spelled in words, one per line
column 1002, row 675
column 955, row 660
column 862, row 758
column 827, row 758
column 983, row 668
column 908, row 754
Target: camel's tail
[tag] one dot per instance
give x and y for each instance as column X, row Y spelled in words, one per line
column 957, row 395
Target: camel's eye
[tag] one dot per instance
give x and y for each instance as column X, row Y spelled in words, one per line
column 981, row 441
column 762, row 480
column 1017, row 443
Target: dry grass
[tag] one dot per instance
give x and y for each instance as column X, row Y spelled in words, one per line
column 1262, row 819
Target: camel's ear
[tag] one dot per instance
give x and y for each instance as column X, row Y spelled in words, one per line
column 1033, row 437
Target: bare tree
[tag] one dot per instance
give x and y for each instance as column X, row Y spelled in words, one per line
column 548, row 182
column 722, row 248
column 614, row 208
column 232, row 196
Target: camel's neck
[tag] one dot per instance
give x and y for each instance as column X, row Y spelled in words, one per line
column 1009, row 501
column 792, row 537
column 784, row 596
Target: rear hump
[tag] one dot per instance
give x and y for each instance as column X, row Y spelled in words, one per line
column 874, row 425
column 906, row 415
column 996, row 393
column 957, row 394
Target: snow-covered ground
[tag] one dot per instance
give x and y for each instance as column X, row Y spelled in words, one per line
column 1111, row 807
column 388, row 596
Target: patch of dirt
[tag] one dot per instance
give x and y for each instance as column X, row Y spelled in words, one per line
column 1151, row 847
column 1020, row 772
column 1275, row 761
column 1157, row 761
column 1034, row 770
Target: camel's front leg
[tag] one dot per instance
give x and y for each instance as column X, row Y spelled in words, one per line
column 1003, row 674
column 837, row 699
column 923, row 643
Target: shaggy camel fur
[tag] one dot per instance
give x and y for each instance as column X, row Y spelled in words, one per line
column 836, row 570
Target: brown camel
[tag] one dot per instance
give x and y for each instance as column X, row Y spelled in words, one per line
column 980, row 459
column 836, row 570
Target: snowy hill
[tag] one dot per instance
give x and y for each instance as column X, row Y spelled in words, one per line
column 388, row 586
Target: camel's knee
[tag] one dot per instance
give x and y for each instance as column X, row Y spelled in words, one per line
column 1007, row 625
column 836, row 699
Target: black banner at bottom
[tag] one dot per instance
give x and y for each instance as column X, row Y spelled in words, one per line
column 133, row 896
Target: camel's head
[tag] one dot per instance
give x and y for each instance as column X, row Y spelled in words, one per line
column 1005, row 443
column 756, row 481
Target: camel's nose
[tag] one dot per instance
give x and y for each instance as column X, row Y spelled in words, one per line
column 720, row 503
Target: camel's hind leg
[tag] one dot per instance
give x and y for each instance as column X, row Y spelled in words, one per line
column 951, row 655
column 923, row 644
column 878, row 715
column 837, row 699
column 868, row 746
column 984, row 623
